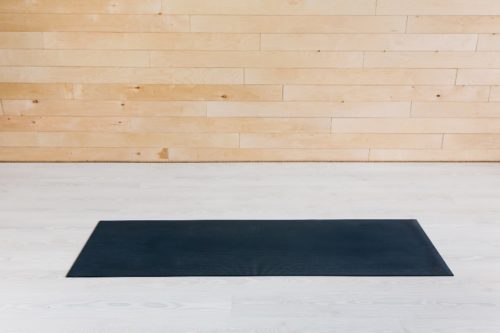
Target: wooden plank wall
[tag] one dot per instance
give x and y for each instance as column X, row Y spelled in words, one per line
column 250, row 80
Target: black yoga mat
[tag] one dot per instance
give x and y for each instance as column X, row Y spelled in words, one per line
column 259, row 248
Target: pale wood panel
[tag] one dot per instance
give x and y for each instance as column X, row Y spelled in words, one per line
column 82, row 154
column 103, row 108
column 160, row 92
column 467, row 59
column 438, row 7
column 86, row 139
column 369, row 42
column 250, row 80
column 64, row 123
column 478, row 76
column 471, row 141
column 454, row 109
column 495, row 93
column 308, row 109
column 269, row 155
column 416, row 125
column 21, row 40
column 350, row 76
column 99, row 22
column 489, row 42
column 298, row 24
column 122, row 75
column 35, row 91
column 453, row 24
column 150, row 41
column 270, row 7
column 77, row 6
column 385, row 93
column 230, row 125
column 62, row 58
column 436, row 155
column 266, row 59
column 163, row 124
column 341, row 141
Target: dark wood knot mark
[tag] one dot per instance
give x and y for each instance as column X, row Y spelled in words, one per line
column 163, row 154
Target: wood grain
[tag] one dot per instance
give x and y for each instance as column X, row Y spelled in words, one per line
column 250, row 80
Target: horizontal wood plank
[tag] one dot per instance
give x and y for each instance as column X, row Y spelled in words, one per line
column 369, row 42
column 36, row 91
column 150, row 41
column 103, row 108
column 161, row 92
column 258, row 59
column 82, row 154
column 385, row 93
column 270, row 7
column 467, row 59
column 122, row 75
column 64, row 58
column 21, row 40
column 455, row 109
column 416, row 125
column 298, row 24
column 230, row 125
column 434, row 155
column 351, row 76
column 438, row 7
column 65, row 22
column 478, row 76
column 77, row 6
column 269, row 155
column 124, row 140
column 341, row 141
column 453, row 24
column 308, row 109
column 471, row 141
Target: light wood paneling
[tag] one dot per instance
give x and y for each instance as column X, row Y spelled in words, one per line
column 63, row 58
column 455, row 109
column 124, row 140
column 453, row 24
column 161, row 92
column 257, row 59
column 103, row 108
column 150, row 41
column 471, row 141
column 249, row 80
column 77, row 6
column 385, row 93
column 435, row 155
column 122, row 75
column 36, row 91
column 432, row 59
column 21, row 40
column 298, row 24
column 350, row 76
column 438, row 7
column 370, row 42
column 308, row 109
column 268, row 155
column 94, row 22
column 271, row 7
column 82, row 154
column 341, row 141
column 416, row 125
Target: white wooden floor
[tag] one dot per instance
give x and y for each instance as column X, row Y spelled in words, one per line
column 47, row 211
